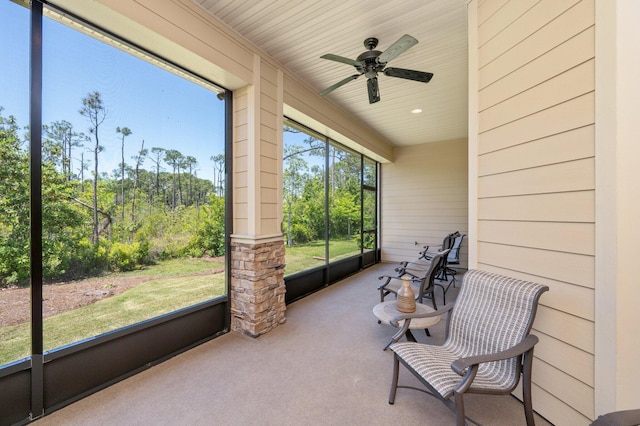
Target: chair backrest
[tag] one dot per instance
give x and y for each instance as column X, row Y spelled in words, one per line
column 449, row 241
column 454, row 254
column 431, row 273
column 493, row 313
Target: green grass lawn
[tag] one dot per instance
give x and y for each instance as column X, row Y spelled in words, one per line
column 174, row 286
column 310, row 255
column 169, row 291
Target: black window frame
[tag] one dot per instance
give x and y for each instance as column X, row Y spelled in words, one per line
column 46, row 381
column 302, row 283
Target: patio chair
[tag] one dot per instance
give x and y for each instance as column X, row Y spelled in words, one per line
column 451, row 241
column 452, row 259
column 417, row 266
column 454, row 254
column 422, row 280
column 448, row 243
column 487, row 348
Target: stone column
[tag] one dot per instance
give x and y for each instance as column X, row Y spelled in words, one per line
column 257, row 287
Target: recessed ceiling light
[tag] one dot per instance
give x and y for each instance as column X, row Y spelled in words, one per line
column 416, row 111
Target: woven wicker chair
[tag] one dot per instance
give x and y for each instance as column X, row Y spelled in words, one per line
column 487, row 348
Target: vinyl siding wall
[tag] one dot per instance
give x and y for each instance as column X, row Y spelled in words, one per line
column 424, row 198
column 535, row 180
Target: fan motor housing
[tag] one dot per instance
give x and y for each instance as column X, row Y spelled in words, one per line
column 369, row 55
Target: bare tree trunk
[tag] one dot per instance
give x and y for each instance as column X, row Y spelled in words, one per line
column 96, row 234
column 180, row 188
column 289, row 239
column 122, row 178
column 135, row 182
column 82, row 172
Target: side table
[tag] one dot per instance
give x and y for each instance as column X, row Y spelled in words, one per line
column 385, row 311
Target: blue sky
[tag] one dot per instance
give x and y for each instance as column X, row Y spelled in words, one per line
column 160, row 108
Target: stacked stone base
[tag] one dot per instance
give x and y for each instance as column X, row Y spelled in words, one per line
column 257, row 287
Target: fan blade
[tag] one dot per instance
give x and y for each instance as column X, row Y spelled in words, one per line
column 423, row 77
column 373, row 89
column 341, row 59
column 403, row 44
column 338, row 84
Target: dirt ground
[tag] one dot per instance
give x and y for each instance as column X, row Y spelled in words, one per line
column 15, row 305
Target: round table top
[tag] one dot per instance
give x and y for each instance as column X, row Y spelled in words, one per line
column 385, row 311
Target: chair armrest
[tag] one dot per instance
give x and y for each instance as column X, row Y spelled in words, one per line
column 420, row 263
column 395, row 320
column 428, row 255
column 401, row 266
column 425, row 248
column 416, row 265
column 388, row 280
column 461, row 365
column 391, row 277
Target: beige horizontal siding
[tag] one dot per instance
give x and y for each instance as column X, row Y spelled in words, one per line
column 532, row 17
column 572, row 52
column 489, row 8
column 576, row 206
column 572, row 360
column 536, row 182
column 502, row 18
column 570, row 329
column 424, row 198
column 551, row 34
column 567, row 267
column 573, row 114
column 575, row 238
column 576, row 175
column 240, row 161
column 574, row 82
column 562, row 147
column 572, row 391
column 556, row 411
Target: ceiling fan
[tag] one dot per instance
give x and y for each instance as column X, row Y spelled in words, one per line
column 371, row 62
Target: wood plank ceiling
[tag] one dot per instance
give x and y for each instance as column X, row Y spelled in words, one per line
column 297, row 32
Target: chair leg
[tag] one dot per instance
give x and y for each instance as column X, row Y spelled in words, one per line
column 460, row 419
column 433, row 297
column 444, row 293
column 394, row 380
column 526, row 388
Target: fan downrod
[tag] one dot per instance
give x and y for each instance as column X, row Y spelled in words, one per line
column 371, row 43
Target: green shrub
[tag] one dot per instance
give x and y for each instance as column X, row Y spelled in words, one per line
column 208, row 237
column 300, row 233
column 14, row 266
column 125, row 257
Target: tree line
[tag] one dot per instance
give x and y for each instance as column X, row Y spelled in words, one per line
column 95, row 220
column 333, row 180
